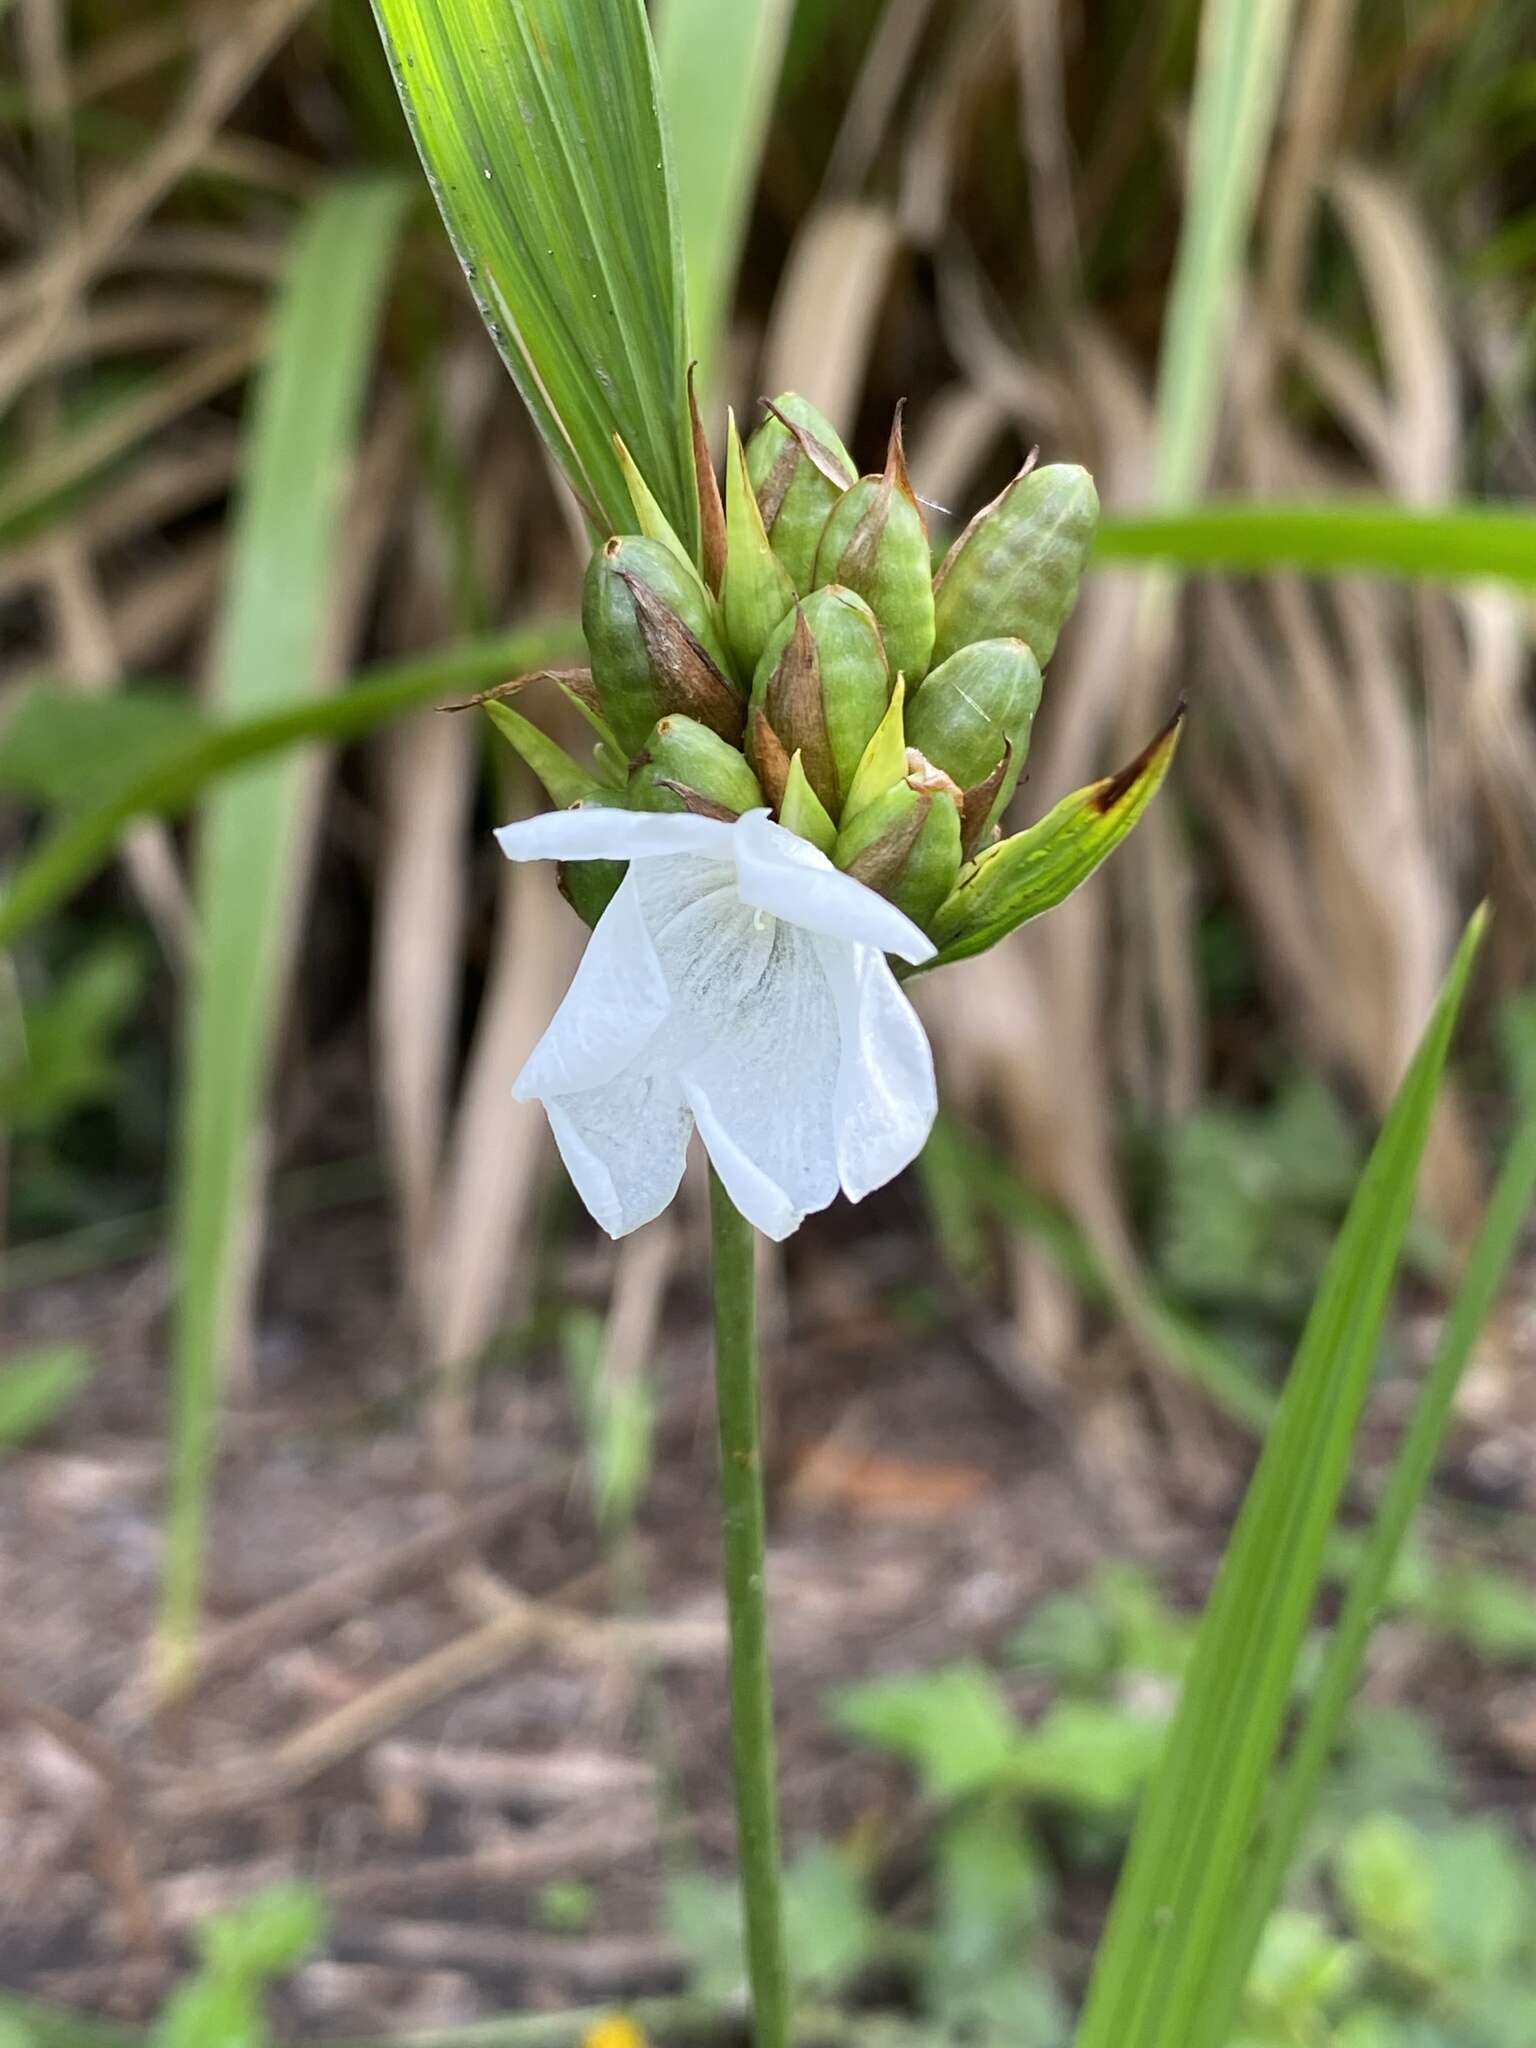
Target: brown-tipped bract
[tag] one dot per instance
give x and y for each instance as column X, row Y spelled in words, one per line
column 684, row 766
column 876, row 543
column 1014, row 572
column 906, row 844
column 823, row 684
column 654, row 643
column 799, row 469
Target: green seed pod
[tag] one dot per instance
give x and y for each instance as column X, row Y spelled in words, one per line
column 755, row 591
column 823, row 684
column 972, row 718
column 876, row 542
column 686, row 767
column 654, row 643
column 799, row 469
column 906, row 844
column 1016, row 568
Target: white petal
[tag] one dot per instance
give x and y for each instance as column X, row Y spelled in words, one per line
column 624, row 1144
column 886, row 1097
column 617, row 1000
column 780, row 872
column 764, row 1093
column 599, row 832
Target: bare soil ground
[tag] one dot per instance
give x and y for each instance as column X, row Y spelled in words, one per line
column 437, row 1708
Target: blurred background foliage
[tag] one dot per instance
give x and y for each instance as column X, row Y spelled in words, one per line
column 1157, row 1102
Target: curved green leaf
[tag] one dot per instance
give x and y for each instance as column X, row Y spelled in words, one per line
column 1463, row 543
column 81, row 845
column 539, row 124
column 1175, row 1904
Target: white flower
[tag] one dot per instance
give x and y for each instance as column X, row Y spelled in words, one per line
column 736, row 982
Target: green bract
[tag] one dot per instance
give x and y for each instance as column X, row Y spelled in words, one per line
column 811, row 664
column 1016, row 568
column 799, row 469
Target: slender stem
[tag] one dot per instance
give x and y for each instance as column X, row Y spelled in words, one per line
column 741, row 1493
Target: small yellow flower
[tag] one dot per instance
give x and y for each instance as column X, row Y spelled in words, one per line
column 616, row 2031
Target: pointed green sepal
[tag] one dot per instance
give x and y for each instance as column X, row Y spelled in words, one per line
column 755, row 591
column 564, row 778
column 1032, row 872
column 803, row 812
column 650, row 518
column 884, row 761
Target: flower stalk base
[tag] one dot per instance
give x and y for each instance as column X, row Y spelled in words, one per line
column 742, row 1522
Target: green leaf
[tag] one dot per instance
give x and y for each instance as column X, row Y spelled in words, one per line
column 1386, row 1882
column 72, row 751
column 1087, row 1756
column 539, row 124
column 1238, row 78
column 829, row 1930
column 1483, row 1901
column 1508, row 1207
column 953, row 1723
column 62, row 1057
column 37, row 1386
column 178, row 774
column 994, row 1890
column 725, row 59
column 1462, row 543
column 1022, row 877
column 270, row 650
column 1172, row 1922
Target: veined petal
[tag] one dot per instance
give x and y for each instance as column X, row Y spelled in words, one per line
column 764, row 1094
column 617, row 1001
column 886, row 1097
column 785, row 875
column 601, row 832
column 624, row 1144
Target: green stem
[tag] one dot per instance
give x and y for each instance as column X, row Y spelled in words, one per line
column 741, row 1494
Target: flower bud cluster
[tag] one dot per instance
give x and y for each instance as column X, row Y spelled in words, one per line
column 814, row 662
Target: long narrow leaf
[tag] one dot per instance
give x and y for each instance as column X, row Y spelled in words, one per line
column 1197, row 1822
column 1237, row 90
column 539, row 124
column 1461, row 543
column 719, row 68
column 182, row 769
column 1509, row 1208
column 270, row 651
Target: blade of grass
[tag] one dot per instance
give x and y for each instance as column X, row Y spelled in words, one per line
column 1462, row 543
column 270, row 650
column 719, row 69
column 1508, row 1208
column 1239, row 72
column 540, row 129
column 1196, row 1825
column 82, row 844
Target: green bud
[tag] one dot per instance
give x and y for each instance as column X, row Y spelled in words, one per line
column 972, row 718
column 1033, row 871
column 755, row 592
column 686, row 767
column 653, row 642
column 876, row 543
column 799, row 469
column 1016, row 568
column 823, row 685
column 589, row 886
column 906, row 844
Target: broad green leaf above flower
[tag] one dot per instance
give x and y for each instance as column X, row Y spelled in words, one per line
column 736, row 983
